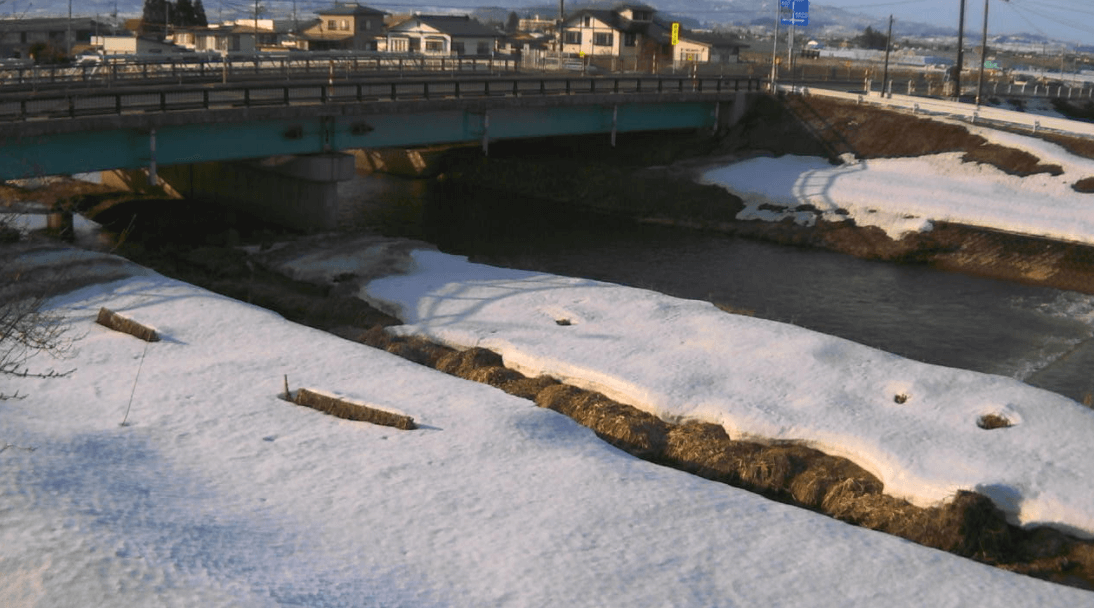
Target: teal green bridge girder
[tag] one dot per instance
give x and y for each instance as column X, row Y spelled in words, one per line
column 144, row 139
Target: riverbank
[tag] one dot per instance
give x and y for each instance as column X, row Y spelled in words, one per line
column 621, row 182
column 215, row 491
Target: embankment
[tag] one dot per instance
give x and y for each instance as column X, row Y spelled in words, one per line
column 651, row 178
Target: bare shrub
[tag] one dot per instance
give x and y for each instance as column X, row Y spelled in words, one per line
column 27, row 329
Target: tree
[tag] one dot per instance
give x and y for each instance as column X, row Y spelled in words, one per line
column 512, row 23
column 871, row 39
column 199, row 15
column 183, row 14
column 154, row 19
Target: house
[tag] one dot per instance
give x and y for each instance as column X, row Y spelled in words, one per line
column 19, row 36
column 345, row 26
column 239, row 36
column 442, row 35
column 131, row 44
column 631, row 37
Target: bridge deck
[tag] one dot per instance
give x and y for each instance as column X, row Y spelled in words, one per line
column 93, row 130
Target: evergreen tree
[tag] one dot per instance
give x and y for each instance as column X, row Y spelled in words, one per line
column 512, row 24
column 199, row 15
column 183, row 14
column 154, row 18
column 871, row 39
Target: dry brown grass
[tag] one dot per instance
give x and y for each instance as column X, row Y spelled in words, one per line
column 350, row 410
column 112, row 320
column 969, row 524
column 993, row 421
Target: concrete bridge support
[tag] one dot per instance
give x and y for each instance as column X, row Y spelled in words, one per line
column 297, row 191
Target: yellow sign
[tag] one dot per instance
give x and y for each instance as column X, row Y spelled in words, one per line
column 675, row 33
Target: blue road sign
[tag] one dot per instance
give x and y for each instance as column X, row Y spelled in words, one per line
column 794, row 12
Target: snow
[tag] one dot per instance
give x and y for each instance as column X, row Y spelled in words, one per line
column 216, row 492
column 902, row 195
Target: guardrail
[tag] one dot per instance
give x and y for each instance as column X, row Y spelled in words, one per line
column 215, row 67
column 958, row 110
column 72, row 104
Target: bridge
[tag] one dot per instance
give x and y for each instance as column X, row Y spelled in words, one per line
column 74, row 130
column 201, row 138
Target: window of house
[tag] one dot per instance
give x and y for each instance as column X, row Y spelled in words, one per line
column 397, row 45
column 434, row 45
column 588, row 21
column 572, row 37
column 332, row 24
column 602, row 38
column 368, row 24
column 641, row 16
column 458, row 48
column 343, row 24
column 483, row 48
column 630, row 39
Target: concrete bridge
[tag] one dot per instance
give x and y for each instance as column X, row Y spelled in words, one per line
column 199, row 137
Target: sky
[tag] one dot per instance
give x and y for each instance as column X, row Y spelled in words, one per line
column 1069, row 20
column 171, row 473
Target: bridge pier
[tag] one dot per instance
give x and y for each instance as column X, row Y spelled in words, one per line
column 296, row 191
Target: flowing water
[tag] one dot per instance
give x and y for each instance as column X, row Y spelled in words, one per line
column 1040, row 335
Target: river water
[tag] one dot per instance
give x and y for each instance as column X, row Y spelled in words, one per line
column 1042, row 336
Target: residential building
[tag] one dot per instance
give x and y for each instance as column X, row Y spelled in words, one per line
column 18, row 36
column 131, row 44
column 442, row 35
column 345, row 26
column 630, row 37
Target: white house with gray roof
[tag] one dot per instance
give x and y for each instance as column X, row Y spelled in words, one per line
column 442, row 36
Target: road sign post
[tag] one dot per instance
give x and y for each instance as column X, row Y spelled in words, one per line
column 792, row 13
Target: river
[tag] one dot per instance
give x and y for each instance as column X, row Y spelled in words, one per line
column 1042, row 336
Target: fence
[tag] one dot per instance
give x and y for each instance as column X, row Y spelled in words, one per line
column 958, row 110
column 213, row 67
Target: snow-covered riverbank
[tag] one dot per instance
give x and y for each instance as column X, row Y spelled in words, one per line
column 220, row 493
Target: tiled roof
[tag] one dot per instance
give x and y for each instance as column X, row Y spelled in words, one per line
column 350, row 9
column 457, row 25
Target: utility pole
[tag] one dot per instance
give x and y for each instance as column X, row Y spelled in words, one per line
column 256, row 26
column 775, row 48
column 983, row 56
column 558, row 29
column 68, row 33
column 888, row 45
column 960, row 52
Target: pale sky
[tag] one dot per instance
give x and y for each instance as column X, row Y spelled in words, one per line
column 1069, row 20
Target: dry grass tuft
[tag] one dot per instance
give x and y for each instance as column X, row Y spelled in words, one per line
column 349, row 410
column 621, row 425
column 901, row 398
column 1085, row 185
column 993, row 421
column 734, row 310
column 112, row 320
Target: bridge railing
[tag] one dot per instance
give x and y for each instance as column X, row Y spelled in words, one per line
column 73, row 104
column 211, row 67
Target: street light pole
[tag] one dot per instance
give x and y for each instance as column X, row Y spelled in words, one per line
column 960, row 52
column 983, row 56
column 888, row 46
